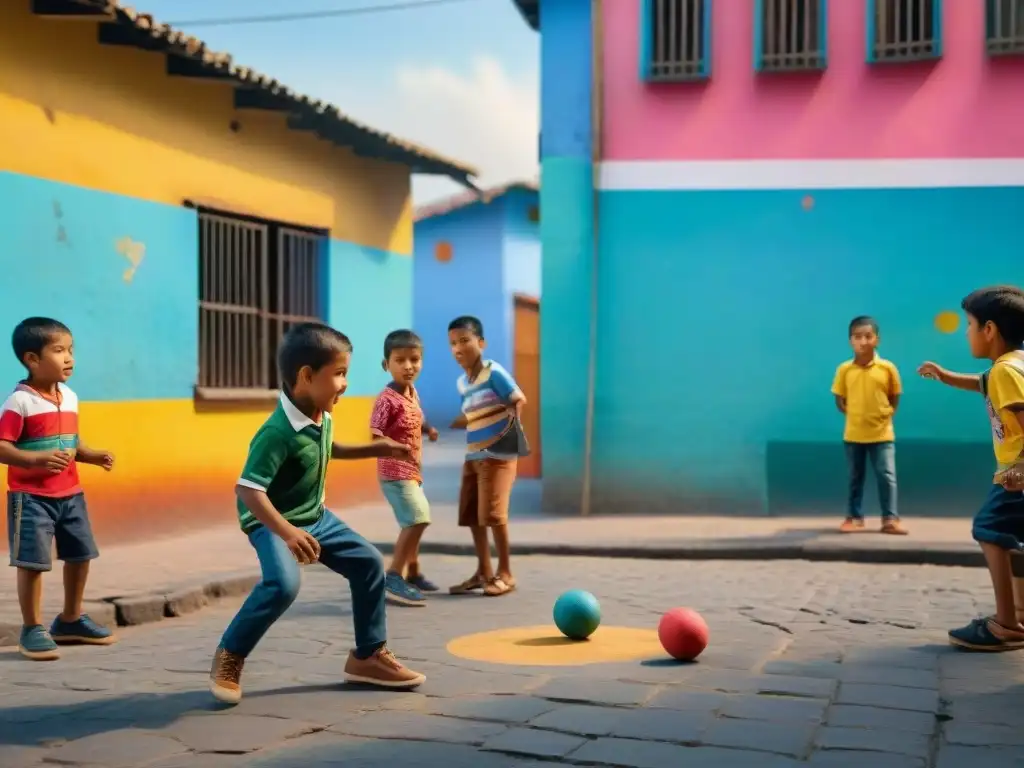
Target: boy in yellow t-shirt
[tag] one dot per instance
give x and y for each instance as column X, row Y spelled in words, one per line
column 867, row 390
column 995, row 331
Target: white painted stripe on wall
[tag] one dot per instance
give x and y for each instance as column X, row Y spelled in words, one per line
column 697, row 175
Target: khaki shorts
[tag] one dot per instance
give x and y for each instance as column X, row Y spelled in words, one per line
column 484, row 494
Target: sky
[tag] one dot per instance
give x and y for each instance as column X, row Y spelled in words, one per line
column 461, row 78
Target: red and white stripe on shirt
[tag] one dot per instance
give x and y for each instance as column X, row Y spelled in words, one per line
column 34, row 422
column 400, row 418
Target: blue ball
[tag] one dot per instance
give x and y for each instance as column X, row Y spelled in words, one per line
column 577, row 614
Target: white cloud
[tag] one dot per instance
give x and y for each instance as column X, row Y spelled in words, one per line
column 485, row 118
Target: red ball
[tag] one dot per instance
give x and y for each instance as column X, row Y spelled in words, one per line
column 683, row 634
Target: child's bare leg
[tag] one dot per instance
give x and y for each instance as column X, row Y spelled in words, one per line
column 75, row 576
column 483, row 552
column 998, row 561
column 1017, row 569
column 501, row 543
column 407, row 549
column 30, row 596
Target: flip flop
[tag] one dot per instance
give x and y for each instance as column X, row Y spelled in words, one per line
column 472, row 584
column 496, row 587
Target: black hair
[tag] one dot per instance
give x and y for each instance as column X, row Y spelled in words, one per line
column 312, row 344
column 1001, row 305
column 861, row 320
column 34, row 333
column 401, row 339
column 467, row 323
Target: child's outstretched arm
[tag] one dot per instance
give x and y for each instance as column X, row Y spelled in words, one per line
column 969, row 382
column 379, row 448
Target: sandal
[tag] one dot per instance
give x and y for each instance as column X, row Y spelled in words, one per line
column 472, row 584
column 497, row 587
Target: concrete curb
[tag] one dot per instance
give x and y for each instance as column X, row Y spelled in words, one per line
column 962, row 555
column 133, row 609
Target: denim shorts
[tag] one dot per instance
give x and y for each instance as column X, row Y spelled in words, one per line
column 34, row 523
column 408, row 502
column 1000, row 521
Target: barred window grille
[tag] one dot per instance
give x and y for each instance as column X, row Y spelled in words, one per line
column 792, row 35
column 676, row 40
column 905, row 30
column 256, row 280
column 1004, row 22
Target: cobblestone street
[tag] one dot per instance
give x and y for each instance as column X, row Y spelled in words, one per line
column 822, row 665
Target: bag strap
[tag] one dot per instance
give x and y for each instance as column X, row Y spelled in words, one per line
column 1016, row 362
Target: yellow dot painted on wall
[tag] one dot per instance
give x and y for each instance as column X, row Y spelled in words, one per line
column 947, row 322
column 545, row 646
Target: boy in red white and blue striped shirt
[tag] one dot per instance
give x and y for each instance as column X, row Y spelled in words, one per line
column 39, row 443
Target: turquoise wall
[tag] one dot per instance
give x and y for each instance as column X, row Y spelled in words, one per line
column 567, row 238
column 370, row 295
column 133, row 340
column 723, row 316
column 138, row 339
column 469, row 284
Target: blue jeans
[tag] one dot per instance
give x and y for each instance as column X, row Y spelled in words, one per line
column 343, row 551
column 883, row 463
column 35, row 523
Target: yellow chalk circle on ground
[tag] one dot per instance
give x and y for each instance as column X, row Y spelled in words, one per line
column 545, row 646
column 947, row 322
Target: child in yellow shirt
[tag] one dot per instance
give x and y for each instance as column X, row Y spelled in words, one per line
column 867, row 391
column 995, row 331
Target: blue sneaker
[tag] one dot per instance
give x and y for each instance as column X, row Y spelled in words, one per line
column 84, row 631
column 986, row 635
column 423, row 584
column 36, row 644
column 402, row 592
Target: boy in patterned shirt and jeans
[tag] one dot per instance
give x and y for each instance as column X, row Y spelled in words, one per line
column 40, row 445
column 397, row 415
column 281, row 509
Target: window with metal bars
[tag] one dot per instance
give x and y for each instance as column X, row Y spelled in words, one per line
column 256, row 280
column 675, row 40
column 790, row 35
column 1004, row 24
column 904, row 30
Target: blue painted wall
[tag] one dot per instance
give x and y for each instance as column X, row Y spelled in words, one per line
column 133, row 340
column 567, row 237
column 138, row 340
column 521, row 264
column 470, row 284
column 370, row 295
column 735, row 305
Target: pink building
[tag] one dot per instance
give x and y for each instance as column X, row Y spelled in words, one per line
column 725, row 185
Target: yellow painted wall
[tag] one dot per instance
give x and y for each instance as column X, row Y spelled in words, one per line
column 109, row 118
column 176, row 468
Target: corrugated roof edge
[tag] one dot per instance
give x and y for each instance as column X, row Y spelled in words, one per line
column 162, row 38
column 464, row 199
column 530, row 11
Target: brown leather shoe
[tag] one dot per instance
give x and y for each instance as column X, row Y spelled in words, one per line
column 894, row 528
column 226, row 676
column 852, row 525
column 381, row 669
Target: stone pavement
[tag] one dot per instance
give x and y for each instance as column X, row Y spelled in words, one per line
column 197, row 559
column 169, row 566
column 826, row 665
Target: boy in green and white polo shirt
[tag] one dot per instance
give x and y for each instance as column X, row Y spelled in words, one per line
column 281, row 509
